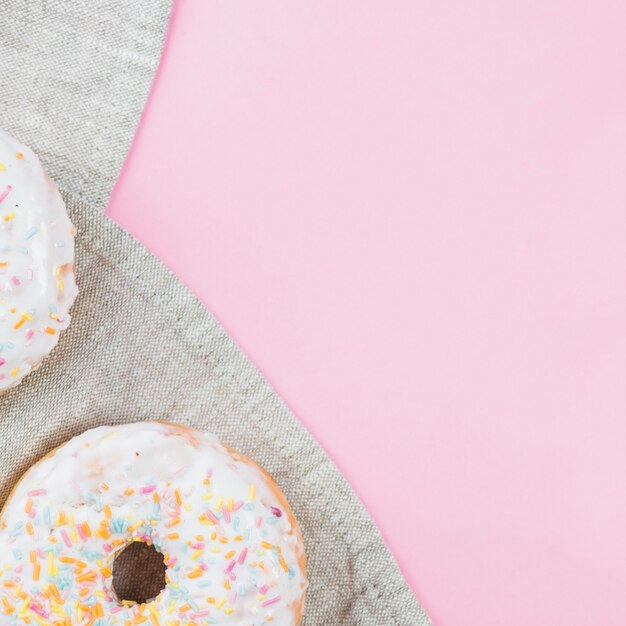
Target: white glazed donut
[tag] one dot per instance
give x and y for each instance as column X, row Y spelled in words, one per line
column 232, row 547
column 37, row 286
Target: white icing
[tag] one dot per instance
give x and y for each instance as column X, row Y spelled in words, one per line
column 37, row 286
column 229, row 533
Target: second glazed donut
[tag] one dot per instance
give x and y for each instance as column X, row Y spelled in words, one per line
column 229, row 540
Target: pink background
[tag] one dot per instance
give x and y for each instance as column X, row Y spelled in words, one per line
column 412, row 216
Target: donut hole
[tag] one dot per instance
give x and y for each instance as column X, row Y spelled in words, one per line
column 138, row 573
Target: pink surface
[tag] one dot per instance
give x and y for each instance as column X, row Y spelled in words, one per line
column 411, row 215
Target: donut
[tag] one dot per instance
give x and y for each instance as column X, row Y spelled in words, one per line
column 225, row 535
column 37, row 286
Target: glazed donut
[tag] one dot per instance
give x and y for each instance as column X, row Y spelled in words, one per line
column 37, row 286
column 230, row 543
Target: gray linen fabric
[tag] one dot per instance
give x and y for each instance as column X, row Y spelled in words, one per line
column 141, row 347
column 74, row 77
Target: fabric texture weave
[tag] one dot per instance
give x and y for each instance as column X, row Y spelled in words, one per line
column 73, row 83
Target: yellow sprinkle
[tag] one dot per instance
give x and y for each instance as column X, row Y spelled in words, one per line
column 252, row 492
column 221, row 603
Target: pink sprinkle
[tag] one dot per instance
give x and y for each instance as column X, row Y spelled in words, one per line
column 200, row 614
column 81, row 532
column 66, row 539
column 264, row 589
column 39, row 611
column 232, row 598
column 276, row 511
column 242, row 556
column 30, row 333
column 270, row 601
column 226, row 515
column 32, row 513
column 230, row 566
column 5, row 193
column 16, row 281
column 107, row 547
column 212, row 517
column 148, row 489
column 2, row 362
column 237, row 505
column 259, row 521
column 203, row 567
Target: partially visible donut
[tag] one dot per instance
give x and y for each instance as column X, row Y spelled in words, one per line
column 37, row 286
column 231, row 545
